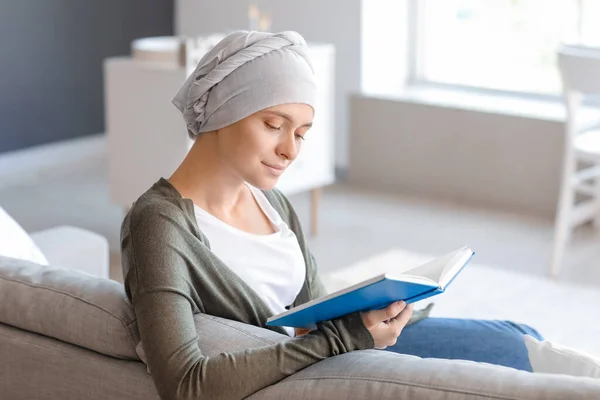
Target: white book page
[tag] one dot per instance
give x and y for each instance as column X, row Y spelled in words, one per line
column 454, row 267
column 412, row 279
column 441, row 269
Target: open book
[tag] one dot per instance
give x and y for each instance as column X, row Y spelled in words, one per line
column 418, row 283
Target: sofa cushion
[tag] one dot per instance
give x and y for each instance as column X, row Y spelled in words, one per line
column 16, row 243
column 68, row 305
column 95, row 313
column 553, row 358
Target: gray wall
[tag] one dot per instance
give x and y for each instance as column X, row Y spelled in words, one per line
column 332, row 21
column 491, row 159
column 51, row 63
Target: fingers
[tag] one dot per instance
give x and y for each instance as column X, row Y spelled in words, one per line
column 377, row 316
column 385, row 325
column 398, row 323
column 404, row 316
column 393, row 310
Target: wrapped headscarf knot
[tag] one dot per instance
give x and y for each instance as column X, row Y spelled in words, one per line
column 242, row 74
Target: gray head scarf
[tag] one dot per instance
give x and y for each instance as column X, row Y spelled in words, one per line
column 244, row 73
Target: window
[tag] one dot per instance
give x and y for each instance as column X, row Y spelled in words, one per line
column 506, row 45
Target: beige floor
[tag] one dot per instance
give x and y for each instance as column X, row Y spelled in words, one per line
column 354, row 224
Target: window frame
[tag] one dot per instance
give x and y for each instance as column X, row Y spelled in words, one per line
column 415, row 68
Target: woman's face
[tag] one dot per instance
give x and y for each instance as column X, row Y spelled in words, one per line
column 260, row 147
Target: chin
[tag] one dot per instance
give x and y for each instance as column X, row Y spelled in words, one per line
column 263, row 183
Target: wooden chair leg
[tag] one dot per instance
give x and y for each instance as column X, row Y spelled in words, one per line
column 315, row 197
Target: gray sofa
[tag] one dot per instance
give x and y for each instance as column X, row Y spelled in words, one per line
column 68, row 335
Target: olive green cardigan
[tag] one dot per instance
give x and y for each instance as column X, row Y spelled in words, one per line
column 170, row 274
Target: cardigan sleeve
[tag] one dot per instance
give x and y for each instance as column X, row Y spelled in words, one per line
column 154, row 248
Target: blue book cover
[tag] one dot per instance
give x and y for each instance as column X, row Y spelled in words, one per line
column 419, row 283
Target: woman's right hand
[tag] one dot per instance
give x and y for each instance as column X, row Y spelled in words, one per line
column 385, row 325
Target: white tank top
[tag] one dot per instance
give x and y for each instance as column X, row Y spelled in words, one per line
column 272, row 265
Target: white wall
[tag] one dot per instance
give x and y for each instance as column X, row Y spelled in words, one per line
column 332, row 21
column 495, row 159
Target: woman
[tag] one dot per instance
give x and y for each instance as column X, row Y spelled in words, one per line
column 217, row 238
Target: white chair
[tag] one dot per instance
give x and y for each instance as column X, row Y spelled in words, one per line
column 580, row 73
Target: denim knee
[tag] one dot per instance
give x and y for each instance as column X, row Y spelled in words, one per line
column 526, row 330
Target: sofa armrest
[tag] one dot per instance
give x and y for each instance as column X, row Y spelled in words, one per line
column 385, row 375
column 74, row 248
column 382, row 375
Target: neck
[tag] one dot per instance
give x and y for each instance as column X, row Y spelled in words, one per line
column 206, row 180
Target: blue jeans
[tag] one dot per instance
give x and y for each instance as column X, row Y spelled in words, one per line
column 490, row 341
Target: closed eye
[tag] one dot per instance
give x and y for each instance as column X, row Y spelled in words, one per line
column 271, row 127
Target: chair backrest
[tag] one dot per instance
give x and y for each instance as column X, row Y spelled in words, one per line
column 580, row 69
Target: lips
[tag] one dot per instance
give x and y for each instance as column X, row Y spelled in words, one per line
column 277, row 167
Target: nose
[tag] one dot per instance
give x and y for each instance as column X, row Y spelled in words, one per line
column 288, row 148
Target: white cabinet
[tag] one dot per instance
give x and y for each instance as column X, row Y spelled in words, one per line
column 147, row 137
column 146, row 134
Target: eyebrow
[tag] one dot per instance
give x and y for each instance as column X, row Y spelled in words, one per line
column 288, row 118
